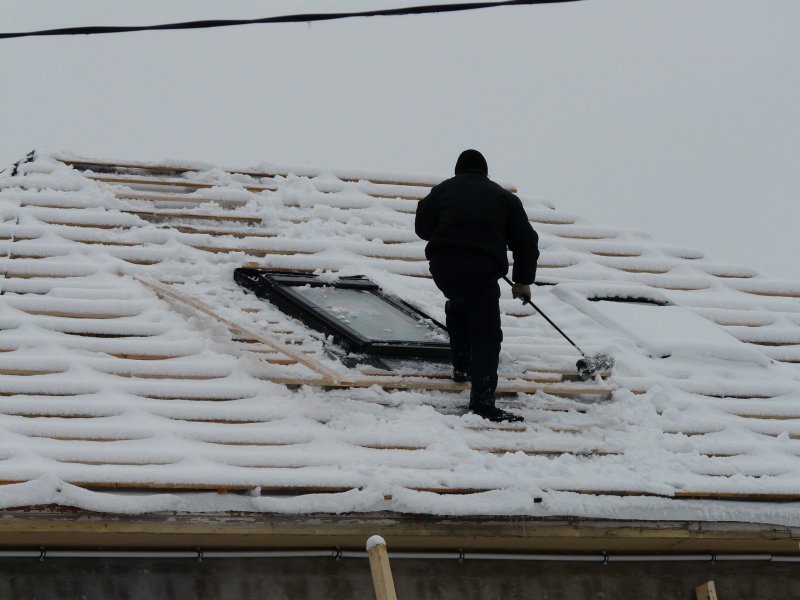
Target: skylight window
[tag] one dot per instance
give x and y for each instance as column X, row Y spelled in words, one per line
column 354, row 310
column 659, row 327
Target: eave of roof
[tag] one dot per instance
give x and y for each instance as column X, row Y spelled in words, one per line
column 55, row 527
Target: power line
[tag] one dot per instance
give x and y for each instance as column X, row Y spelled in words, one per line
column 305, row 18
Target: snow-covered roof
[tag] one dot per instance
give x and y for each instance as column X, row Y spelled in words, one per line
column 136, row 376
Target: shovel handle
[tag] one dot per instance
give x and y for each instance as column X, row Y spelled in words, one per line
column 557, row 328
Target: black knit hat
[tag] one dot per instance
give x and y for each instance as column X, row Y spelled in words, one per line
column 471, row 161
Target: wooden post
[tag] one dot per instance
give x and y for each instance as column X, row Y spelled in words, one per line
column 706, row 591
column 381, row 571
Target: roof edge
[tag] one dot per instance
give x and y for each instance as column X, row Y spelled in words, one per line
column 53, row 527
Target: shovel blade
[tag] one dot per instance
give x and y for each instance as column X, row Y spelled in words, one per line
column 590, row 366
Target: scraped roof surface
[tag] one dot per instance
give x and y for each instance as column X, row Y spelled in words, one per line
column 136, row 376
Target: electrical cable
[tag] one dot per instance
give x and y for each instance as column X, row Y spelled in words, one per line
column 300, row 18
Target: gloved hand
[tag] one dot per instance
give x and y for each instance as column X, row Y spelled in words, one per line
column 521, row 291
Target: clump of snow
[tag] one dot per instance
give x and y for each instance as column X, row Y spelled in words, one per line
column 375, row 540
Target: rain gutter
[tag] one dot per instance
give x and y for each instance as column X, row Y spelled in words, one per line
column 199, row 555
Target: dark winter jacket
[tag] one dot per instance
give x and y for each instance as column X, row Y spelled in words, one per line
column 473, row 213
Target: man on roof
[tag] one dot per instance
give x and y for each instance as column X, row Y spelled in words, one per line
column 470, row 222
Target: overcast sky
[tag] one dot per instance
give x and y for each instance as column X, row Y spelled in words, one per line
column 679, row 118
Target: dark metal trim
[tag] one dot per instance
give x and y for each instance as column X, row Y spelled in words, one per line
column 628, row 299
column 276, row 287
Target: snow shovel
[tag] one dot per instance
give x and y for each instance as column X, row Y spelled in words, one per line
column 588, row 366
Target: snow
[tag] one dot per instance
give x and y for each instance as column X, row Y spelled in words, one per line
column 106, row 383
column 375, row 540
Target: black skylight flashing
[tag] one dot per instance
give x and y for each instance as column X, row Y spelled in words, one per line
column 277, row 287
column 629, row 299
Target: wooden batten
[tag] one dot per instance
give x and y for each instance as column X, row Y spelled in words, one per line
column 774, row 294
column 437, row 385
column 108, row 164
column 635, row 269
column 329, row 376
column 617, row 253
column 28, row 372
column 249, row 232
column 582, row 236
column 131, row 180
column 11, row 273
column 139, row 356
column 555, row 219
column 86, row 224
column 261, row 252
column 134, row 180
column 543, row 378
column 743, row 496
column 68, row 314
column 686, row 287
column 81, row 164
column 162, row 376
column 178, row 198
column 188, row 214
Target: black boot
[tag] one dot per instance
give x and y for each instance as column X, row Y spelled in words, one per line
column 491, row 413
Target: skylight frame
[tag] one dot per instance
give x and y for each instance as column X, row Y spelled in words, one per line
column 276, row 287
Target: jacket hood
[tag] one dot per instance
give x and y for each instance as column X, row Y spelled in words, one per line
column 471, row 161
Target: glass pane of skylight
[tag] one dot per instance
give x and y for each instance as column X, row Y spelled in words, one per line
column 369, row 315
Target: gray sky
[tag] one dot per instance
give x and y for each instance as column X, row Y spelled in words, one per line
column 676, row 117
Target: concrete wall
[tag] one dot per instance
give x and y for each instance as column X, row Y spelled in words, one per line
column 325, row 578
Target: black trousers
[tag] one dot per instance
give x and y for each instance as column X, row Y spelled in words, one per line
column 469, row 282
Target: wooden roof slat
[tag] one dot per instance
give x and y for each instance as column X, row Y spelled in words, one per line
column 374, row 253
column 328, row 375
column 28, row 372
column 248, row 232
column 79, row 164
column 267, row 487
column 161, row 376
column 174, row 182
column 775, row 293
column 745, row 496
column 408, row 383
column 234, row 217
column 88, row 224
column 177, row 198
column 69, row 314
column 182, row 197
column 541, row 378
column 261, row 252
column 400, row 206
column 617, row 252
column 143, row 485
column 300, row 263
